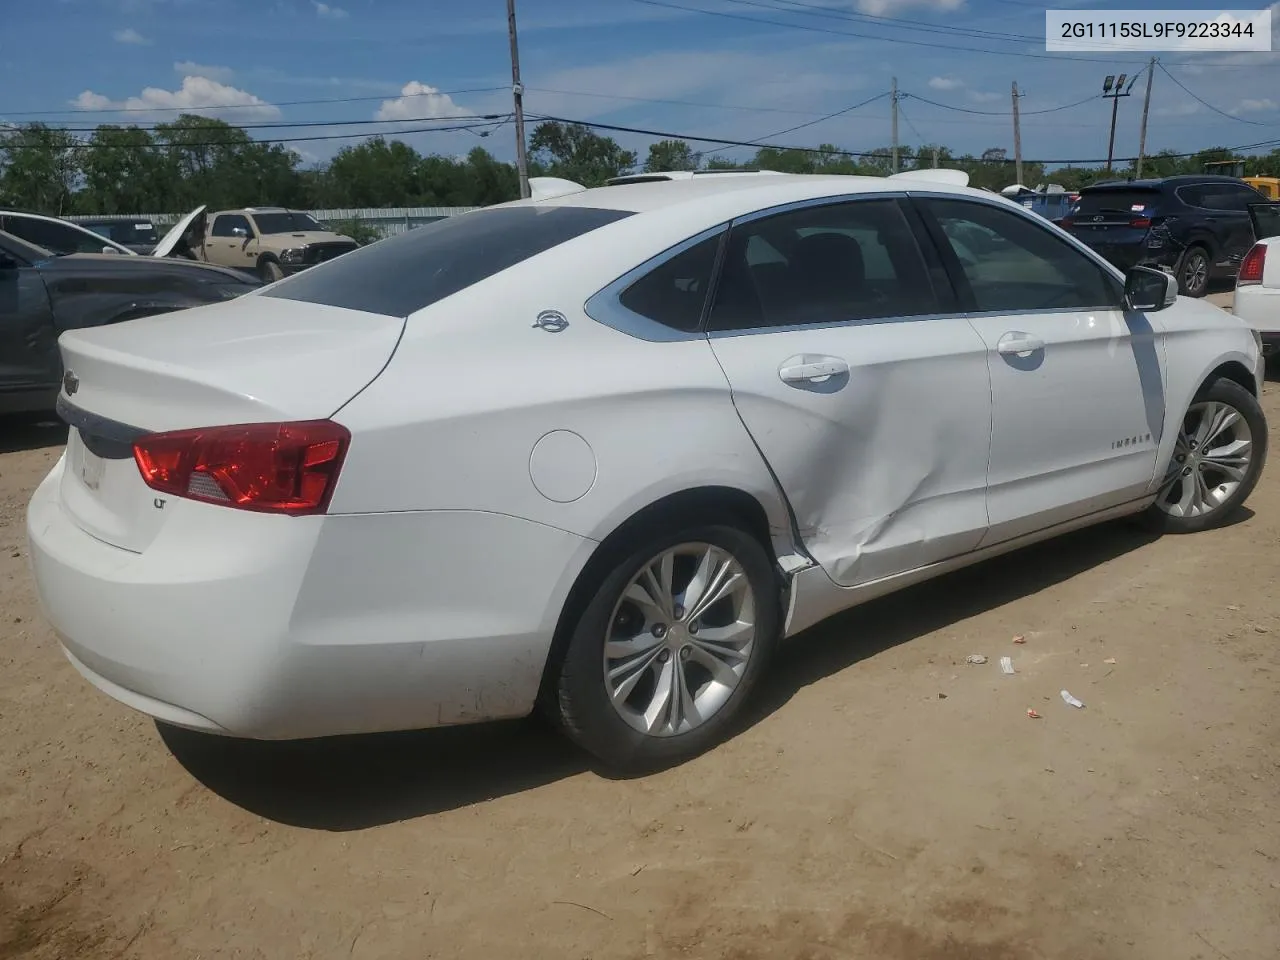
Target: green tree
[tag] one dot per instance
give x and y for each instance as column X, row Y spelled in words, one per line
column 124, row 172
column 39, row 168
column 487, row 180
column 376, row 173
column 670, row 155
column 572, row 151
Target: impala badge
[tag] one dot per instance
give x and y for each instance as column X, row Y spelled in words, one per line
column 552, row 321
column 70, row 383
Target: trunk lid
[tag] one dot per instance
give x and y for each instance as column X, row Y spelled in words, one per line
column 253, row 360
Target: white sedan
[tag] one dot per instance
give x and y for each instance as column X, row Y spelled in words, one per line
column 1257, row 296
column 603, row 449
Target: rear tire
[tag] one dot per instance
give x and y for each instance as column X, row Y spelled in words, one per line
column 646, row 683
column 1193, row 271
column 1218, row 458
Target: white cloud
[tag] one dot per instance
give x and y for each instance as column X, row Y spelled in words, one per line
column 326, row 12
column 1251, row 105
column 418, row 101
column 131, row 37
column 945, row 83
column 879, row 8
column 197, row 94
column 188, row 68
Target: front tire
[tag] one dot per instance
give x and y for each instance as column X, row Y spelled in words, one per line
column 1217, row 460
column 665, row 655
column 1193, row 271
column 270, row 271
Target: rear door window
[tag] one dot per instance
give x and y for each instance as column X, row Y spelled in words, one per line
column 832, row 263
column 403, row 274
column 53, row 236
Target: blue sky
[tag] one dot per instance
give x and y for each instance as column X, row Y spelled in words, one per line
column 624, row 62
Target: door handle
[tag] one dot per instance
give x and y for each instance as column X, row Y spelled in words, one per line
column 1019, row 344
column 811, row 369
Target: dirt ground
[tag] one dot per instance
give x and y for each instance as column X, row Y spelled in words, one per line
column 888, row 801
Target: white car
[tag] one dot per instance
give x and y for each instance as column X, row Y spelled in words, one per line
column 1257, row 296
column 603, row 450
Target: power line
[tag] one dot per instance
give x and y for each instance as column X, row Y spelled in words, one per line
column 282, row 125
column 678, row 103
column 824, row 119
column 1206, row 103
column 903, row 114
column 1001, row 113
column 83, row 144
column 864, row 36
column 249, row 106
column 667, row 135
column 895, row 23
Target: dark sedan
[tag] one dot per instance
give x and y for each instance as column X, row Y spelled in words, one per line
column 41, row 295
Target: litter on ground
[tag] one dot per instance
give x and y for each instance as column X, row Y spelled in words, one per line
column 1072, row 701
column 1006, row 664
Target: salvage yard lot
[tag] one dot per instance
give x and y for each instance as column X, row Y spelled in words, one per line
column 888, row 800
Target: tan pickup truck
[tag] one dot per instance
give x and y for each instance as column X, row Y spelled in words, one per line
column 268, row 241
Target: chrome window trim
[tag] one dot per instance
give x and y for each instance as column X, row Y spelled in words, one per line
column 605, row 307
column 1041, row 223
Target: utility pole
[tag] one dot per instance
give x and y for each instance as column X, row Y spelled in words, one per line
column 1017, row 137
column 894, row 97
column 517, row 93
column 935, row 158
column 1146, row 108
column 1113, row 89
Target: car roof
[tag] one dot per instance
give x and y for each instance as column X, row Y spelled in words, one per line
column 744, row 194
column 1156, row 183
column 12, row 212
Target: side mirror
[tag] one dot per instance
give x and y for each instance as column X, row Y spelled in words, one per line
column 1148, row 290
column 240, row 232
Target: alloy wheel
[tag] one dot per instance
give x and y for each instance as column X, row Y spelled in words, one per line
column 1195, row 272
column 1211, row 458
column 680, row 639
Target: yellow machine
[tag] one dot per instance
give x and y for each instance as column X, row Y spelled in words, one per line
column 1268, row 186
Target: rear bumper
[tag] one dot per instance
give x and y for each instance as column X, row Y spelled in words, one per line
column 289, row 627
column 1259, row 307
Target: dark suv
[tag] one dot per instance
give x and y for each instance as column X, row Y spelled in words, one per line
column 1196, row 227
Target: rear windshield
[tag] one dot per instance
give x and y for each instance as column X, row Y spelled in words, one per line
column 398, row 276
column 1124, row 202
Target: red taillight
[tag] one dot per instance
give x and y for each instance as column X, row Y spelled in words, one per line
column 270, row 467
column 1143, row 222
column 1066, row 222
column 1252, row 266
